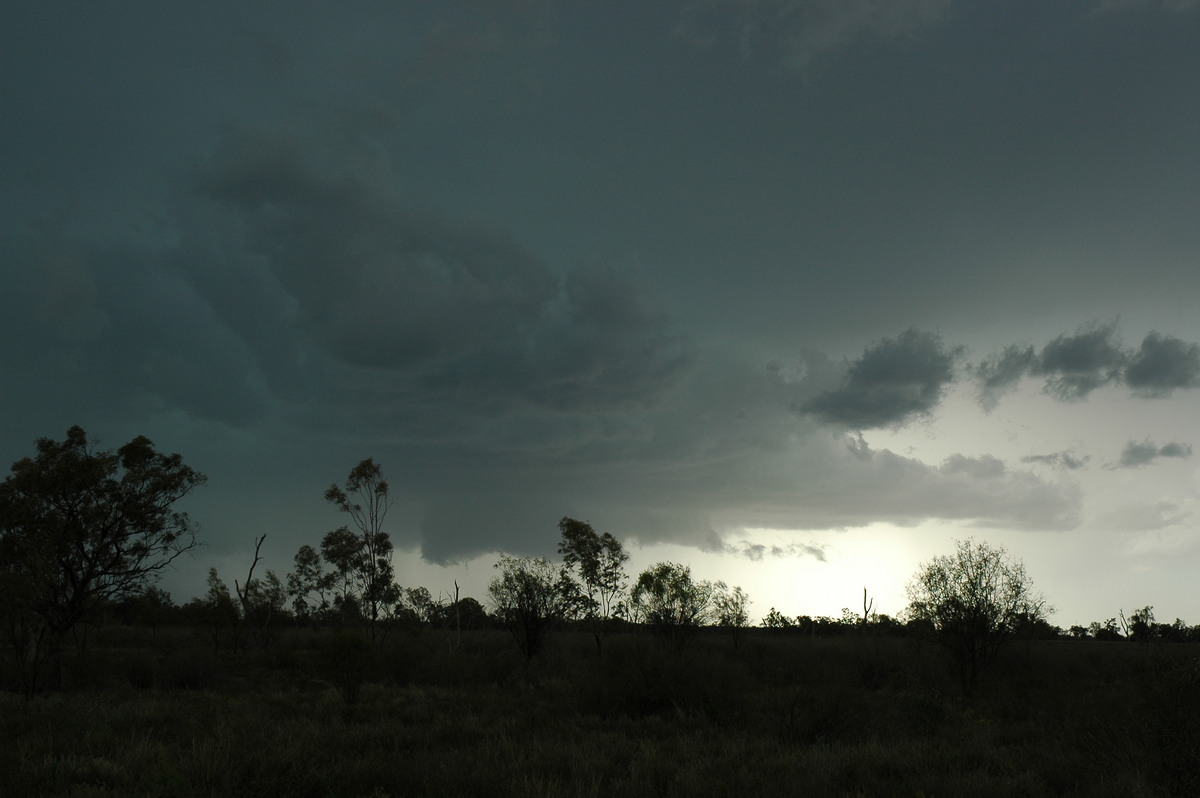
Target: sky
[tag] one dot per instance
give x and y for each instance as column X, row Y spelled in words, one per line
column 796, row 292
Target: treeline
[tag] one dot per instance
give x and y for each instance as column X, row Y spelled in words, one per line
column 84, row 534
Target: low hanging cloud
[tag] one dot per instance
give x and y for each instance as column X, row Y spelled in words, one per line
column 999, row 374
column 1075, row 365
column 1163, row 365
column 757, row 552
column 1064, row 460
column 1142, row 453
column 894, row 381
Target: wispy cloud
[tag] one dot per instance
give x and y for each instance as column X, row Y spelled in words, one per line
column 1066, row 460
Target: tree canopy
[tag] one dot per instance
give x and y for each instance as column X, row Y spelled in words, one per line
column 975, row 599
column 79, row 526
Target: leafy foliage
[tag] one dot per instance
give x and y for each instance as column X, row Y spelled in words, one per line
column 530, row 595
column 975, row 599
column 596, row 564
column 79, row 527
column 365, row 582
column 667, row 598
column 730, row 609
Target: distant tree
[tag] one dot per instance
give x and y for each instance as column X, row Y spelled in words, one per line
column 153, row 607
column 776, row 621
column 421, row 603
column 975, row 599
column 363, row 558
column 529, row 598
column 79, row 527
column 666, row 598
column 730, row 609
column 1078, row 632
column 468, row 614
column 412, row 607
column 307, row 586
column 262, row 600
column 220, row 610
column 596, row 565
column 1109, row 630
column 1141, row 625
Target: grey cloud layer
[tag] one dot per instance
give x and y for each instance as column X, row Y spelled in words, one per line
column 318, row 286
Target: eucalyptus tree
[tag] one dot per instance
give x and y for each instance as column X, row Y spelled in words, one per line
column 595, row 564
column 666, row 598
column 80, row 527
column 730, row 609
column 975, row 599
column 530, row 597
column 363, row 556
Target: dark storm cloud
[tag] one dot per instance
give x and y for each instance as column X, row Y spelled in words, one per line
column 1064, row 460
column 1075, row 365
column 1162, row 365
column 1168, row 6
column 795, row 32
column 108, row 331
column 462, row 311
column 380, row 284
column 894, row 380
column 1145, row 452
column 1000, row 373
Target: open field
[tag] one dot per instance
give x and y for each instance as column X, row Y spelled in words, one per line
column 165, row 715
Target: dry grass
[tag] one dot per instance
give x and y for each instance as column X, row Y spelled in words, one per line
column 836, row 717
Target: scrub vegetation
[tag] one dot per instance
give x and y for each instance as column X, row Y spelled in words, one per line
column 576, row 679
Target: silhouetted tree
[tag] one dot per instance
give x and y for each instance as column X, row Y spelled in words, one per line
column 420, row 602
column 776, row 621
column 666, row 598
column 153, row 607
column 975, row 599
column 79, row 527
column 1142, row 628
column 363, row 559
column 1109, row 630
column 220, row 610
column 729, row 609
column 596, row 564
column 530, row 598
column 262, row 600
column 307, row 586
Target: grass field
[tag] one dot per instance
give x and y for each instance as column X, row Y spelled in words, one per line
column 433, row 715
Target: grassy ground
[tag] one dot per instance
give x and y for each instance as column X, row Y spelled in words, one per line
column 165, row 716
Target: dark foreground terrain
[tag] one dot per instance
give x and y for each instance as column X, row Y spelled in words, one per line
column 433, row 714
